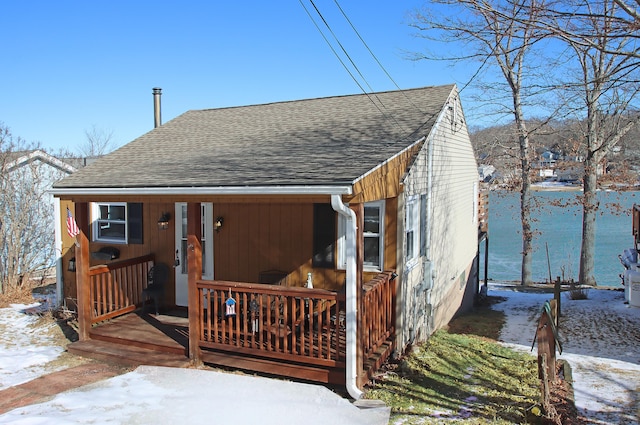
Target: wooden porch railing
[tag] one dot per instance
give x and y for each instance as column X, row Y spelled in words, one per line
column 292, row 324
column 116, row 288
column 378, row 313
column 287, row 323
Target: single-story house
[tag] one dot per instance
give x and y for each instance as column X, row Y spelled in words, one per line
column 310, row 238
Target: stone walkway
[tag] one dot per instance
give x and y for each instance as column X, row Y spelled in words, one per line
column 47, row 386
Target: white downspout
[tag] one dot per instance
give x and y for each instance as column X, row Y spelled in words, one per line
column 429, row 222
column 351, row 302
column 58, row 251
column 431, row 139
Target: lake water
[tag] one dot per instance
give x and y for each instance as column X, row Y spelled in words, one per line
column 558, row 225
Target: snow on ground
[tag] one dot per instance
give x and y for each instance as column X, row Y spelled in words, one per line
column 159, row 395
column 601, row 337
column 600, row 340
column 25, row 346
column 162, row 395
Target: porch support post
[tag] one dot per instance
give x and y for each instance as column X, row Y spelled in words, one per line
column 194, row 261
column 352, row 313
column 83, row 281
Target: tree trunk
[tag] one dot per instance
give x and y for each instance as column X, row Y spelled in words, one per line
column 525, row 193
column 527, row 245
column 589, row 212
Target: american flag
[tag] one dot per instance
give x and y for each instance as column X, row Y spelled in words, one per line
column 72, row 227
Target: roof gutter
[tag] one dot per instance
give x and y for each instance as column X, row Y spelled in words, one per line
column 351, row 304
column 213, row 190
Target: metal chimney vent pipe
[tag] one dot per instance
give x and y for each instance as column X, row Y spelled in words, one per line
column 157, row 112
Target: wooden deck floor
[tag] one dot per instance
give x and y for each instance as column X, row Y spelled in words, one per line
column 141, row 339
column 167, row 333
column 137, row 339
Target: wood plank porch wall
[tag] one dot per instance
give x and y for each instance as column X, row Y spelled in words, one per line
column 158, row 242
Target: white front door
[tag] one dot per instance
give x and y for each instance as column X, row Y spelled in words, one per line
column 182, row 298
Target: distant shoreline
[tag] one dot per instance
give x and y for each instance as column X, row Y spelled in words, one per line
column 546, row 187
column 556, row 187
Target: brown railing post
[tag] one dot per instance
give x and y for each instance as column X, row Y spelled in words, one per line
column 547, row 339
column 83, row 285
column 546, row 346
column 194, row 259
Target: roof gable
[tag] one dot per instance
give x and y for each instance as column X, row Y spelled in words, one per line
column 19, row 159
column 327, row 141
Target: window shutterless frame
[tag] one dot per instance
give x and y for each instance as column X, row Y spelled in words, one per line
column 109, row 222
column 412, row 229
column 373, row 237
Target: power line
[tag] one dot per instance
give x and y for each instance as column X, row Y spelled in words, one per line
column 366, row 45
column 331, row 47
column 374, row 56
column 387, row 116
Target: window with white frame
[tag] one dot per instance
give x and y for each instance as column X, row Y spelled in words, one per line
column 110, row 222
column 412, row 228
column 373, row 237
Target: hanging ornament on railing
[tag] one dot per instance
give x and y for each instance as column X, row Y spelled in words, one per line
column 231, row 305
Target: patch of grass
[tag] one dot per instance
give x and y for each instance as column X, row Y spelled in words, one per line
column 482, row 321
column 16, row 295
column 578, row 292
column 461, row 377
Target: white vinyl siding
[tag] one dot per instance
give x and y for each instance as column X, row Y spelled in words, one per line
column 443, row 183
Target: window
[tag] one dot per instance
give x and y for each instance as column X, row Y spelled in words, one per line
column 110, row 222
column 373, row 237
column 117, row 222
column 412, row 229
column 324, row 231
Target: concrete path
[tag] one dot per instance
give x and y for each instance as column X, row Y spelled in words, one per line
column 164, row 395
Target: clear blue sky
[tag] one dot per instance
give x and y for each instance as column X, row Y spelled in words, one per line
column 67, row 66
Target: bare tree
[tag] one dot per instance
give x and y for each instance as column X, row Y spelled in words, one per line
column 604, row 46
column 26, row 212
column 631, row 10
column 499, row 34
column 99, row 142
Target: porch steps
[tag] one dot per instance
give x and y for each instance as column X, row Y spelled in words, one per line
column 375, row 362
column 129, row 355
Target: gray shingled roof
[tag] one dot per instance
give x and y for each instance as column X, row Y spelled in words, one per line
column 326, row 141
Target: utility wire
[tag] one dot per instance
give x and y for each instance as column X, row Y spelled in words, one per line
column 387, row 116
column 341, row 46
column 331, row 47
column 374, row 56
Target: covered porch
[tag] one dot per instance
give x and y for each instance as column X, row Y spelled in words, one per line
column 290, row 331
